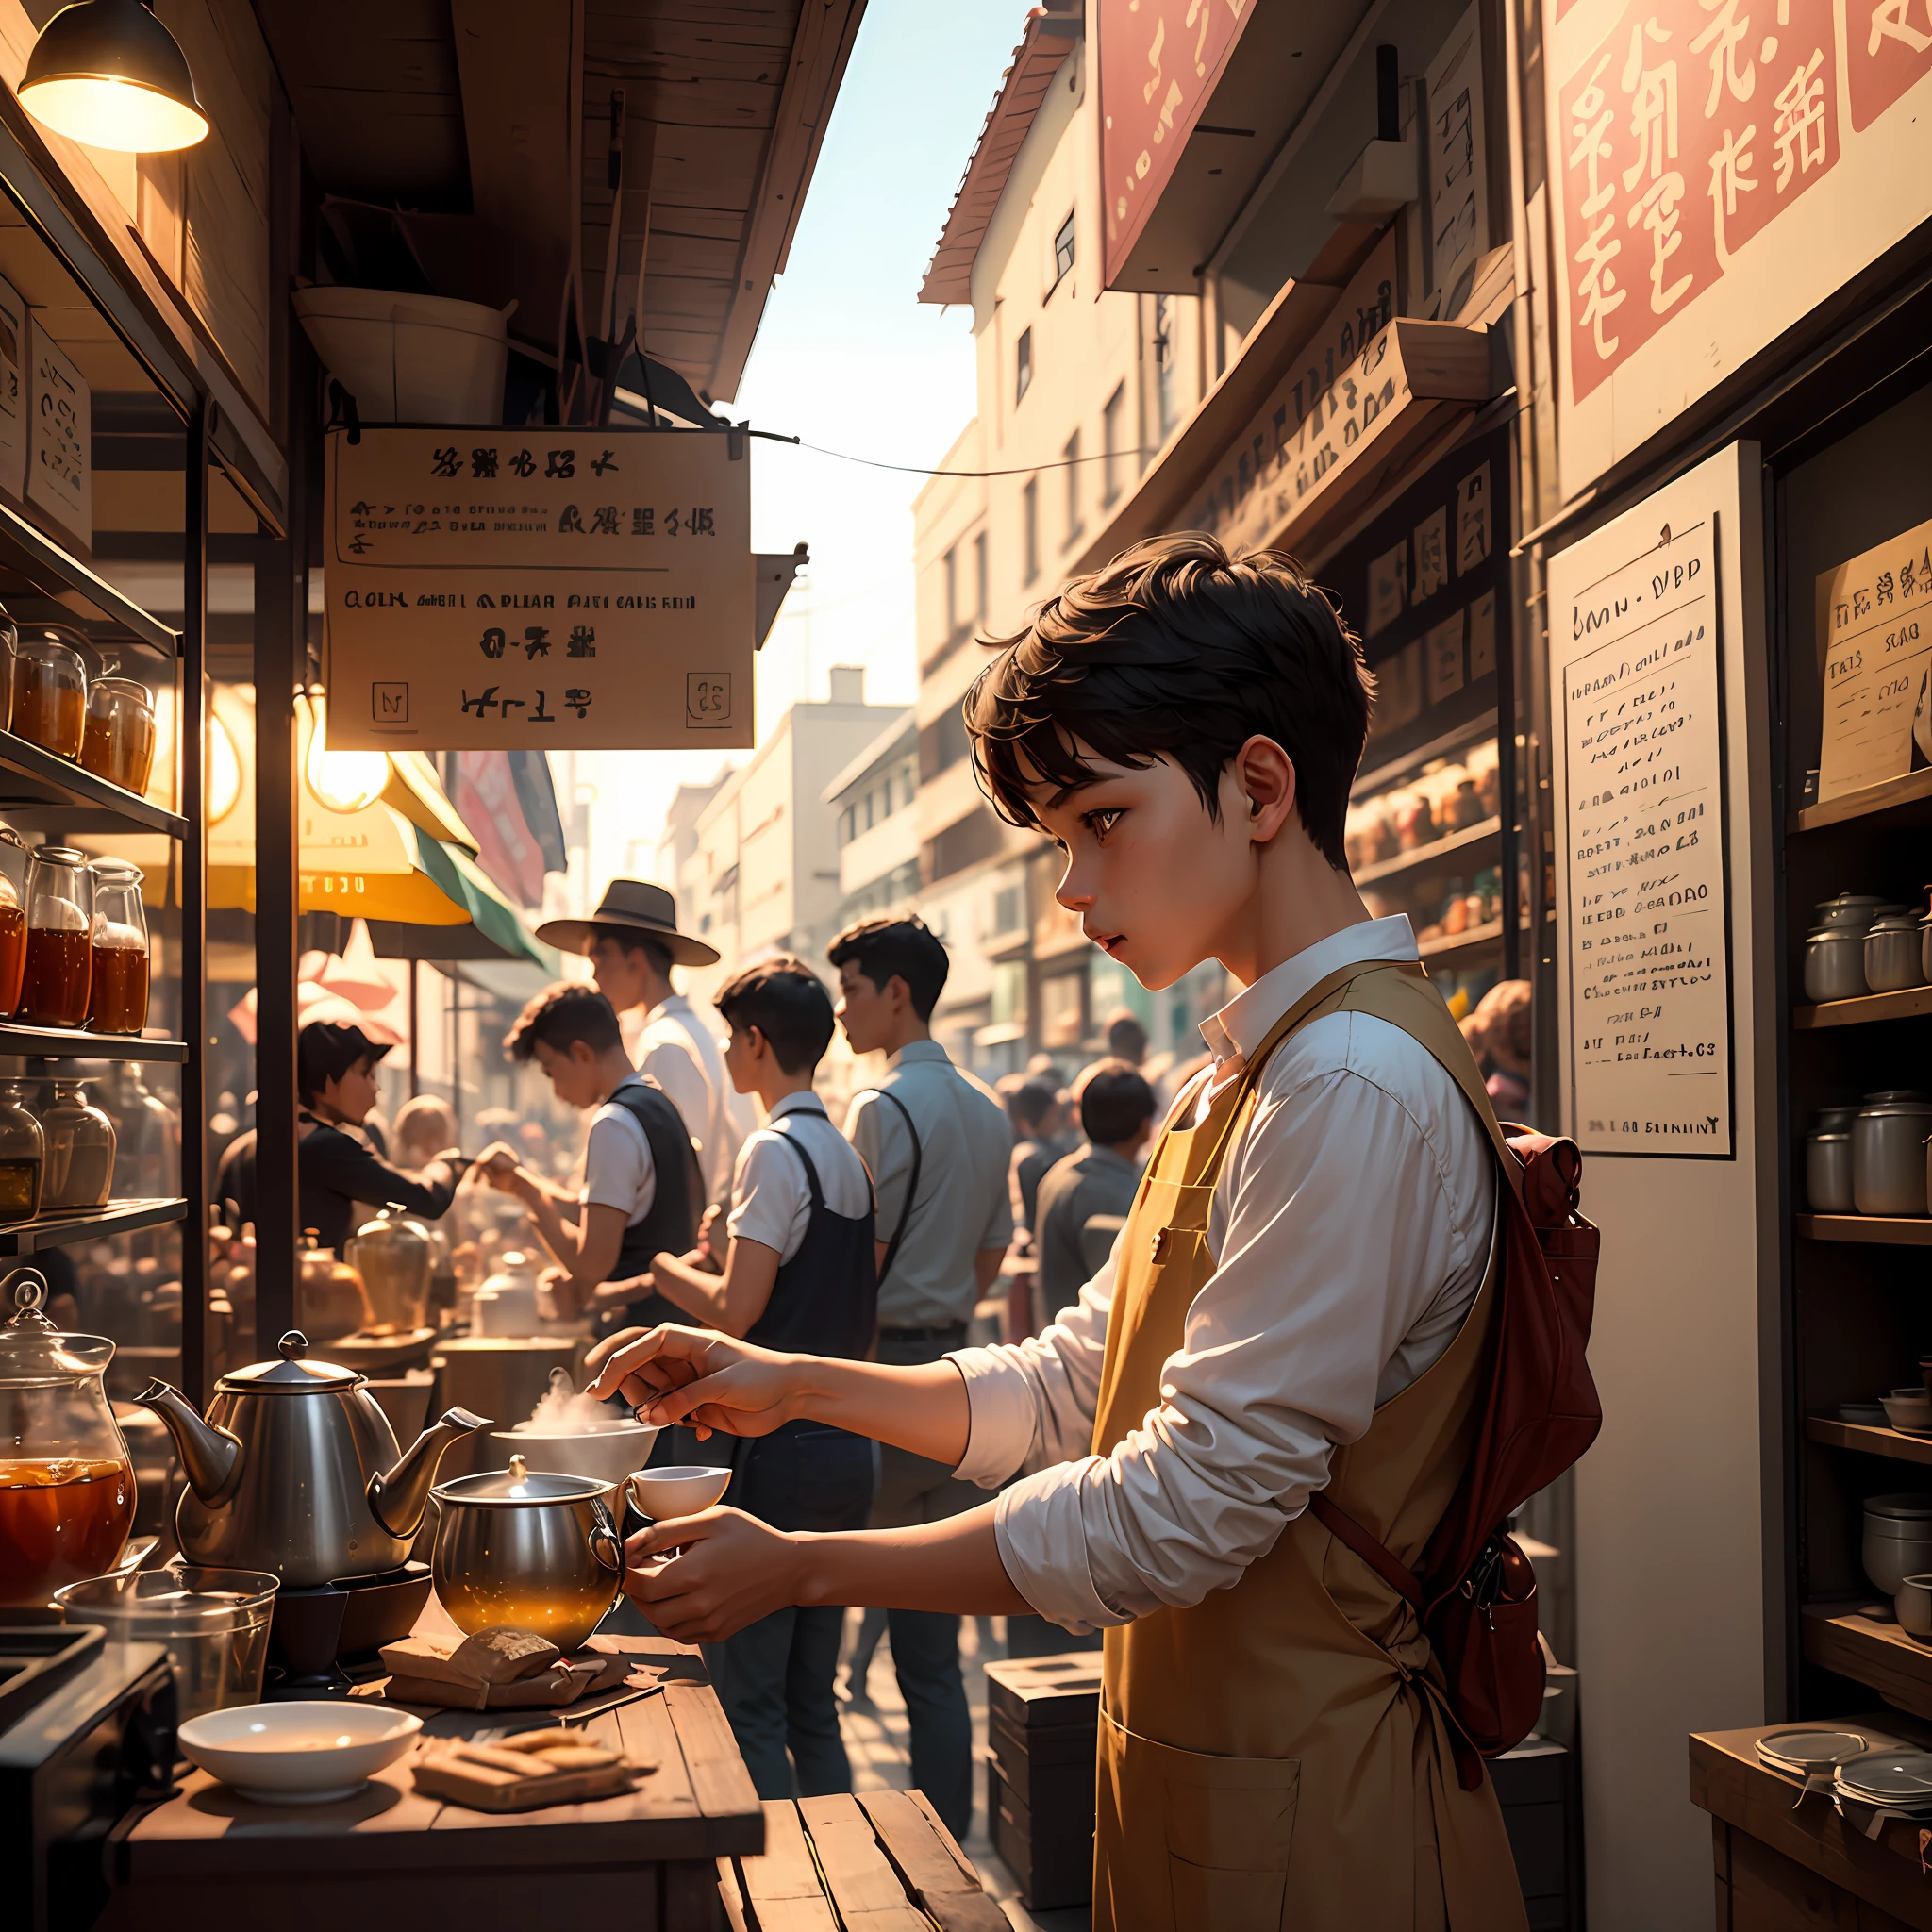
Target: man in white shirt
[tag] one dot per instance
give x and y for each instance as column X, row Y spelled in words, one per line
column 641, row 1178
column 632, row 943
column 1300, row 1301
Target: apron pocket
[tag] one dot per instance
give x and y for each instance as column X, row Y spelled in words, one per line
column 1229, row 1824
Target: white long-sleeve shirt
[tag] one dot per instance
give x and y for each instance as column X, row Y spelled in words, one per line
column 1352, row 1223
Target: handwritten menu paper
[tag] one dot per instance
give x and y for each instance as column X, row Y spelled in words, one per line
column 495, row 587
column 1647, row 985
column 1874, row 620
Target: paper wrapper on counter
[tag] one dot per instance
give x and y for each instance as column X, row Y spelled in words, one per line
column 524, row 1774
column 498, row 1668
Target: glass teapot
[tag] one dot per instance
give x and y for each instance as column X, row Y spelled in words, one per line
column 395, row 1257
column 66, row 1478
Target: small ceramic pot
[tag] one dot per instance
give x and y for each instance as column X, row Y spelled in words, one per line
column 1893, row 948
column 1834, row 964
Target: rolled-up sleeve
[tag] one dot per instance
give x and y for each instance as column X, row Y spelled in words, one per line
column 1284, row 1349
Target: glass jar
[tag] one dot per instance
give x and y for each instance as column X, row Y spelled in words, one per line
column 22, row 1156
column 58, row 975
column 13, row 869
column 118, row 739
column 117, row 966
column 66, row 1478
column 49, row 693
column 9, row 649
column 79, row 1170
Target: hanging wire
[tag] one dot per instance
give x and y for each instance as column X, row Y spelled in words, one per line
column 1116, row 455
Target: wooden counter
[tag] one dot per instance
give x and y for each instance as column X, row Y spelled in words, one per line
column 389, row 1858
column 1781, row 1865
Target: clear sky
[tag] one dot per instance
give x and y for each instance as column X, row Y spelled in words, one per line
column 848, row 358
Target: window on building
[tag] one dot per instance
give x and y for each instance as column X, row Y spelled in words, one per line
column 1029, row 528
column 1023, row 366
column 949, row 573
column 941, row 743
column 1009, row 994
column 1113, row 432
column 1006, row 909
column 1063, row 253
column 1166, row 389
column 1070, row 457
column 980, row 577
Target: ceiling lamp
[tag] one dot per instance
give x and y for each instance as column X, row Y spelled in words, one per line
column 109, row 74
column 345, row 781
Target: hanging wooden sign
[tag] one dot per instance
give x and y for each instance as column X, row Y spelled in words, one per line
column 569, row 589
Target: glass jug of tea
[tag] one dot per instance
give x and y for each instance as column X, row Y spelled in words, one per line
column 117, row 971
column 22, row 1156
column 49, row 691
column 117, row 742
column 66, row 1480
column 58, row 973
column 14, row 868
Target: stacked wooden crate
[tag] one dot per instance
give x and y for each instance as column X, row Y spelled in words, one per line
column 1042, row 1725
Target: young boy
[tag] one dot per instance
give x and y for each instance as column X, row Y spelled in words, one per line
column 1116, row 1112
column 799, row 1275
column 642, row 1190
column 1300, row 1300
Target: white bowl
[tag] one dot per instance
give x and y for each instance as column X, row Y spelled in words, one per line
column 298, row 1754
column 679, row 1491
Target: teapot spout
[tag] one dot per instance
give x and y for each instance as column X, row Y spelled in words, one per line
column 210, row 1458
column 399, row 1497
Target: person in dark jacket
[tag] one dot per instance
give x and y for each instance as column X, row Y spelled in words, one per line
column 335, row 1081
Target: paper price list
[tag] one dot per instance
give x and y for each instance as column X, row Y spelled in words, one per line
column 1647, row 992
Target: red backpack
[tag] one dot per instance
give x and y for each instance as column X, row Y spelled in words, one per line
column 1475, row 1593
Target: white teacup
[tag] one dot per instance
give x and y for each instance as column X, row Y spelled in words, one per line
column 679, row 1491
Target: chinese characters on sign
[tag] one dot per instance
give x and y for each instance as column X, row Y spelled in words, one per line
column 1874, row 616
column 1159, row 61
column 1642, row 847
column 1682, row 132
column 495, row 587
column 1459, row 211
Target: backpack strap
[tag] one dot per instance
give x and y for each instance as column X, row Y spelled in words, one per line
column 911, row 1184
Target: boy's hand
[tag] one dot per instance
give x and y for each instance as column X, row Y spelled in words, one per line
column 697, row 1377
column 702, row 1578
column 564, row 1298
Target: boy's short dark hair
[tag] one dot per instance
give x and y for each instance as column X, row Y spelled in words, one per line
column 1115, row 1102
column 1030, row 1102
column 1126, row 1038
column 571, row 1010
column 788, row 1003
column 632, row 940
column 325, row 1051
column 901, row 948
column 1176, row 649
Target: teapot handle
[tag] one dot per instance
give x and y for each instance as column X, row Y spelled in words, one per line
column 606, row 1544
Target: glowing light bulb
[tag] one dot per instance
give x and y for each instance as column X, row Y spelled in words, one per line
column 345, row 781
column 109, row 74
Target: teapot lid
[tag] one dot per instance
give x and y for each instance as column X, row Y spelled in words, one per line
column 520, row 1485
column 32, row 1350
column 292, row 1374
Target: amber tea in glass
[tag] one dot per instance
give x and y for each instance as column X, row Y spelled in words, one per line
column 49, row 694
column 62, row 1518
column 118, row 741
column 117, row 1000
column 58, row 975
column 14, row 866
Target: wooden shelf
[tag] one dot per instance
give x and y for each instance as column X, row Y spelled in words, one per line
column 1457, row 942
column 30, row 776
column 1451, row 842
column 92, row 1224
column 37, row 557
column 1868, row 799
column 1888, row 1231
column 77, row 1043
column 1868, row 1439
column 1908, row 1004
column 1842, row 1637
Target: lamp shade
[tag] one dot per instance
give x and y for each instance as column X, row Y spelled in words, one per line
column 109, row 74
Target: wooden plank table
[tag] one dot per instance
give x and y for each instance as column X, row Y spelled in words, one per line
column 1780, row 1864
column 390, row 1857
column 878, row 1863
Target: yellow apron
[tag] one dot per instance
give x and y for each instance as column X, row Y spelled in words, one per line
column 1271, row 1757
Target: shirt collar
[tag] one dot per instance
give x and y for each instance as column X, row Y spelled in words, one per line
column 915, row 1051
column 797, row 1102
column 674, row 1003
column 1104, row 1157
column 1242, row 1025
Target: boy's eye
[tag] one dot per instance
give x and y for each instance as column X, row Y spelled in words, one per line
column 1103, row 820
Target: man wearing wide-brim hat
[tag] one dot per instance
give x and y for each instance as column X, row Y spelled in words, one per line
column 632, row 941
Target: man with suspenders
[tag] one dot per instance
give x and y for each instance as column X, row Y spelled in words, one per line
column 937, row 1145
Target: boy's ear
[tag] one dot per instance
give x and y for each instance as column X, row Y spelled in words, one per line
column 1266, row 776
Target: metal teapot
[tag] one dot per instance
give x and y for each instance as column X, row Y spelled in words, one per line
column 296, row 1470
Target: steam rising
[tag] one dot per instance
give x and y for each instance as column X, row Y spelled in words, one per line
column 563, row 1411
